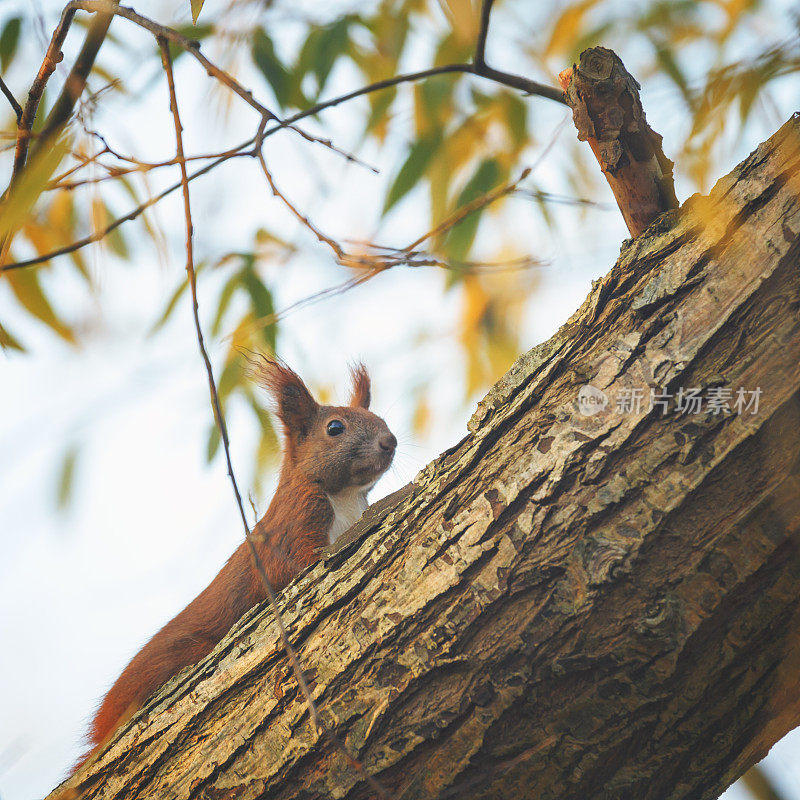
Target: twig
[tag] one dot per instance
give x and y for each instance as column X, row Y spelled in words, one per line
column 84, row 161
column 372, row 266
column 222, row 427
column 563, row 199
column 191, row 46
column 303, row 302
column 345, row 258
column 478, row 67
column 483, row 33
column 11, row 99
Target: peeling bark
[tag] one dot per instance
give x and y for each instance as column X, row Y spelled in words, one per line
column 607, row 111
column 560, row 606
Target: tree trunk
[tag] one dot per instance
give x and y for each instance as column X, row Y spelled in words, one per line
column 563, row 605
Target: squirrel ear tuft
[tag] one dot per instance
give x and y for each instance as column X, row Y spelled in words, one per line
column 360, row 395
column 296, row 408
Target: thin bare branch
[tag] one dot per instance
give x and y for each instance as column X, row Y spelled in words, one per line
column 332, row 291
column 191, row 46
column 322, row 237
column 370, row 265
column 52, row 57
column 223, row 431
column 372, row 87
column 483, row 33
column 11, row 99
column 563, row 199
column 76, row 81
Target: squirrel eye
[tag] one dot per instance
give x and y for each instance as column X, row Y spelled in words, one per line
column 335, row 427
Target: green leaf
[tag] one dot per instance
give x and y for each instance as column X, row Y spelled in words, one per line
column 380, row 104
column 544, row 207
column 9, row 39
column 116, row 239
column 261, row 299
column 117, row 244
column 268, row 444
column 417, row 161
column 332, row 43
column 516, row 110
column 231, row 377
column 669, row 64
column 197, row 5
column 66, row 477
column 460, row 238
column 170, row 307
column 214, row 442
column 273, row 70
column 437, row 99
column 308, row 52
column 224, row 301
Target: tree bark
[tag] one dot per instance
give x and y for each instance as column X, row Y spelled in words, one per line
column 562, row 605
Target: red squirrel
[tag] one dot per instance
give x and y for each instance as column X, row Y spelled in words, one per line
column 332, row 456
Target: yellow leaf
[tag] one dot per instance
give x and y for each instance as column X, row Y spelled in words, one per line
column 491, row 320
column 30, row 186
column 468, row 141
column 421, row 421
column 464, row 18
column 197, row 5
column 60, row 211
column 40, row 236
column 566, row 30
column 25, row 285
column 325, row 395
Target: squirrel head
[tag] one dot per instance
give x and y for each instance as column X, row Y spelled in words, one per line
column 336, row 447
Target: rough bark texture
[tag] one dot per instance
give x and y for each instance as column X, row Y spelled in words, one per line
column 607, row 111
column 560, row 606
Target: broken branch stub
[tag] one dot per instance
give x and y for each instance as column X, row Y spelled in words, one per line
column 607, row 111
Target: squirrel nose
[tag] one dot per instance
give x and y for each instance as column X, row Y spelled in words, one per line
column 387, row 442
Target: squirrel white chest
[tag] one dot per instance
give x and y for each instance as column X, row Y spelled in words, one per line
column 348, row 506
